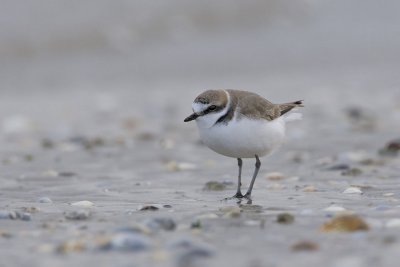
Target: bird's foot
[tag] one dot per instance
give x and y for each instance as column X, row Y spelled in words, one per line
column 238, row 196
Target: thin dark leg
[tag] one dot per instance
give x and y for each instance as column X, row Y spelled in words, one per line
column 258, row 164
column 238, row 192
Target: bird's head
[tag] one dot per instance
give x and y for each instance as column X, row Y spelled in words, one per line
column 208, row 107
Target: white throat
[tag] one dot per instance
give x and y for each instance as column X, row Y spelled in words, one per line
column 208, row 120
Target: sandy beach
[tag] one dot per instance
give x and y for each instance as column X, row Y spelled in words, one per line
column 98, row 167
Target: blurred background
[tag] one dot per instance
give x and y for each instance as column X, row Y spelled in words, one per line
column 63, row 61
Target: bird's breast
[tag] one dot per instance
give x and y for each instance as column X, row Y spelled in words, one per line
column 244, row 138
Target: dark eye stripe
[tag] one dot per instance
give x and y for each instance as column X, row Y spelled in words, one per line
column 212, row 108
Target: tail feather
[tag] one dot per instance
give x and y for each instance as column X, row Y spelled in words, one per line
column 286, row 107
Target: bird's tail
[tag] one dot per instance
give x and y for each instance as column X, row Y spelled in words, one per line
column 286, row 107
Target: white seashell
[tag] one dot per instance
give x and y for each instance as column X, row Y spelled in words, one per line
column 352, row 190
column 83, row 203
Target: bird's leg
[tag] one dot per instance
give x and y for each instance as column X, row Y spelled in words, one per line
column 238, row 192
column 258, row 164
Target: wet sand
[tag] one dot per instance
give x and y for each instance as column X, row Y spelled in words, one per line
column 142, row 173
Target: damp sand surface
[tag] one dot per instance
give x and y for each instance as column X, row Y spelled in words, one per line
column 115, row 179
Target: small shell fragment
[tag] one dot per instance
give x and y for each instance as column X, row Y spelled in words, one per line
column 352, row 190
column 345, row 223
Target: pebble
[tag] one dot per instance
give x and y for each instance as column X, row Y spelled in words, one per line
column 44, row 200
column 50, row 173
column 188, row 257
column 77, row 215
column 393, row 223
column 88, row 143
column 285, row 218
column 156, row 224
column 352, row 172
column 149, row 208
column 25, row 216
column 5, row 234
column 145, row 136
column 231, row 211
column 305, row 245
column 186, row 166
column 71, row 246
column 47, row 143
column 67, row 174
column 274, row 176
column 15, row 215
column 352, row 190
column 309, row 188
column 339, row 167
column 214, row 186
column 129, row 242
column 189, row 251
column 83, row 204
column 260, row 223
column 392, row 148
column 362, row 186
column 28, row 157
column 353, row 157
column 179, row 166
column 30, row 209
column 345, row 223
column 196, row 225
column 388, row 194
column 4, row 214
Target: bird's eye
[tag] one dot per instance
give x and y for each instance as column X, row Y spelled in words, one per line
column 213, row 107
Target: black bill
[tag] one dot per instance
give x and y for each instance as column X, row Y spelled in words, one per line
column 191, row 117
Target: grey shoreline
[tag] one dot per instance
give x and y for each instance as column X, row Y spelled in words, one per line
column 146, row 203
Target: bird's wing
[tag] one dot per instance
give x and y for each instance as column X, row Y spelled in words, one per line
column 254, row 106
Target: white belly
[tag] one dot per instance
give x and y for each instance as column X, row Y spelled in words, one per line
column 245, row 138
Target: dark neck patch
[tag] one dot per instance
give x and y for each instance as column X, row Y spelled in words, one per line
column 224, row 119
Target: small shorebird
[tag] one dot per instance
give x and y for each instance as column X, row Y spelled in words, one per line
column 241, row 124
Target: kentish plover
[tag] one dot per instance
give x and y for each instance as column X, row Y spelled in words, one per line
column 241, row 124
